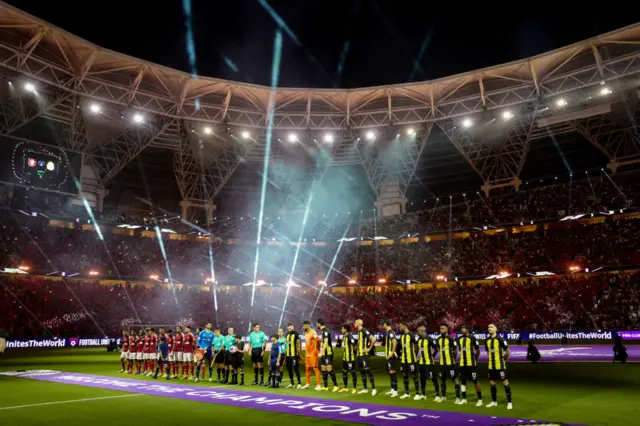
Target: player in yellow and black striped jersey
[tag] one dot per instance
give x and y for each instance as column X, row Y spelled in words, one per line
column 326, row 356
column 366, row 341
column 409, row 340
column 427, row 347
column 498, row 352
column 292, row 353
column 448, row 351
column 469, row 354
column 391, row 355
column 349, row 347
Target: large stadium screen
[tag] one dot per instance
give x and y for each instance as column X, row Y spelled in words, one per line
column 39, row 166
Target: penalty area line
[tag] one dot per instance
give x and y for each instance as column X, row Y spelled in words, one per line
column 70, row 401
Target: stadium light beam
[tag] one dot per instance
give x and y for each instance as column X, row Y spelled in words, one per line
column 166, row 263
column 335, row 256
column 208, row 130
column 95, row 108
column 245, row 134
column 292, row 137
column 466, row 123
column 30, row 87
column 138, row 118
column 295, row 256
column 411, row 131
column 275, row 73
column 370, row 135
column 328, row 138
column 507, row 115
column 213, row 284
column 561, row 102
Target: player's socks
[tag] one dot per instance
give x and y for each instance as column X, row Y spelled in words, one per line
column 345, row 379
column 242, row 377
column 494, row 393
column 373, row 383
column 122, row 364
column 479, row 395
column 333, row 378
column 443, row 388
column 457, row 391
column 364, row 379
column 354, row 377
column 463, row 391
column 325, row 378
column 416, row 384
column 507, row 390
column 394, row 381
column 255, row 374
column 197, row 371
column 261, row 374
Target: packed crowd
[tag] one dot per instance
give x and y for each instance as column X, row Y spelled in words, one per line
column 34, row 306
column 559, row 246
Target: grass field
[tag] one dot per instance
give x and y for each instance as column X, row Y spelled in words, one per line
column 582, row 393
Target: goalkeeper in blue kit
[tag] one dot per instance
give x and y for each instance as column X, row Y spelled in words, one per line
column 275, row 361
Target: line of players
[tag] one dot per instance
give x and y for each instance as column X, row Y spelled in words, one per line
column 415, row 352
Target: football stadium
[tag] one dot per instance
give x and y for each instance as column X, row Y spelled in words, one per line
column 448, row 236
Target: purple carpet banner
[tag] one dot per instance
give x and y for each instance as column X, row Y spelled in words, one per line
column 342, row 410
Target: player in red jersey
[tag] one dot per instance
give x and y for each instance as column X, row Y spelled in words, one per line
column 187, row 353
column 146, row 350
column 153, row 343
column 178, row 342
column 124, row 353
column 139, row 351
column 172, row 355
column 132, row 352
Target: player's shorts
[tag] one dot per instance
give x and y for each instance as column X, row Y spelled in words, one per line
column 326, row 360
column 498, row 375
column 148, row 356
column 311, row 362
column 448, row 371
column 392, row 364
column 348, row 366
column 139, row 356
column 187, row 357
column 172, row 357
column 237, row 360
column 426, row 371
column 292, row 362
column 256, row 355
column 363, row 362
column 228, row 358
column 179, row 356
column 124, row 355
column 469, row 373
column 409, row 367
column 219, row 359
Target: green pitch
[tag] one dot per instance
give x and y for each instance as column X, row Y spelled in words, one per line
column 584, row 393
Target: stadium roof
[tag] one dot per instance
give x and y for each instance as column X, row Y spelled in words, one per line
column 472, row 128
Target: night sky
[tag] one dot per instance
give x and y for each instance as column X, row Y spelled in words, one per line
column 340, row 43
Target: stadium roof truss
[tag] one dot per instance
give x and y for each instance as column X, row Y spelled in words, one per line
column 71, row 73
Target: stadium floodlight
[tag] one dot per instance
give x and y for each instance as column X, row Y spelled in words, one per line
column 507, row 115
column 245, row 134
column 208, row 130
column 93, row 273
column 605, row 91
column 440, row 277
column 138, row 118
column 466, row 123
column 382, row 280
column 153, row 277
column 411, row 131
column 23, row 267
column 292, row 137
column 322, row 283
column 352, row 281
column 30, row 87
column 561, row 102
column 95, row 108
column 328, row 138
column 370, row 135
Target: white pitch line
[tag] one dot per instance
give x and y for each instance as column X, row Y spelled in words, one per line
column 70, row 401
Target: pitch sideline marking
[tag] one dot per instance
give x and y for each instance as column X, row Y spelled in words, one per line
column 70, row 401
